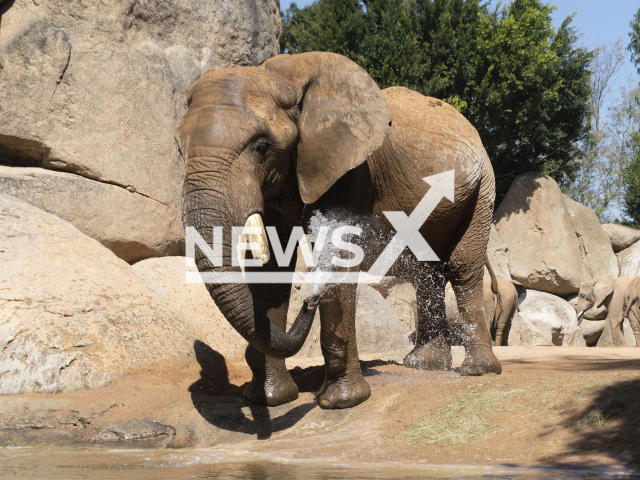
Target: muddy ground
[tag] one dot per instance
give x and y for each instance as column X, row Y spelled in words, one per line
column 552, row 406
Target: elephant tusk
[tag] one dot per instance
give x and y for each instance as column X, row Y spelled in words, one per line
column 258, row 241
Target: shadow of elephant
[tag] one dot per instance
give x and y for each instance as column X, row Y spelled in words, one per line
column 220, row 402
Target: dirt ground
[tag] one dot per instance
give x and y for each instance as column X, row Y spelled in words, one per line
column 552, row 406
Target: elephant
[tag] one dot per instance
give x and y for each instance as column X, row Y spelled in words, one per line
column 500, row 305
column 309, row 134
column 604, row 294
column 632, row 307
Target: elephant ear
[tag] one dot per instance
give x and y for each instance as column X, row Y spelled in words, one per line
column 603, row 288
column 343, row 118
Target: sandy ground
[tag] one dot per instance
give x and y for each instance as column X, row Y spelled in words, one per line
column 552, row 406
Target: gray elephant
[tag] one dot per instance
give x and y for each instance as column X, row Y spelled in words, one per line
column 632, row 307
column 500, row 305
column 310, row 134
column 603, row 297
column 500, row 302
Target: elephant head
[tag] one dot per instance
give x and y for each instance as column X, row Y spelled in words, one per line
column 278, row 135
column 592, row 296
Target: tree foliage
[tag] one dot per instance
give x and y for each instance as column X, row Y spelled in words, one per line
column 523, row 84
column 600, row 179
column 628, row 117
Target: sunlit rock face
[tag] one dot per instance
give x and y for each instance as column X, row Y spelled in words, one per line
column 73, row 316
column 96, row 89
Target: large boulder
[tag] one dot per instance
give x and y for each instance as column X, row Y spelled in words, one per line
column 167, row 277
column 621, row 237
column 497, row 253
column 597, row 254
column 544, row 252
column 97, row 88
column 73, row 315
column 548, row 311
column 401, row 295
column 591, row 331
column 525, row 333
column 571, row 336
column 131, row 226
column 629, row 261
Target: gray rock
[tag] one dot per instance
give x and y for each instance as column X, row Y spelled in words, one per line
column 498, row 257
column 597, row 254
column 572, row 337
column 401, row 295
column 135, row 228
column 525, row 333
column 544, row 252
column 591, row 331
column 166, row 276
column 621, row 237
column 73, row 315
column 629, row 261
column 97, row 88
column 135, row 430
column 542, row 307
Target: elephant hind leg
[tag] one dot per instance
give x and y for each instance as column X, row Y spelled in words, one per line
column 466, row 270
column 432, row 350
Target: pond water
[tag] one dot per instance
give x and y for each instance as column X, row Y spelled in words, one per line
column 71, row 464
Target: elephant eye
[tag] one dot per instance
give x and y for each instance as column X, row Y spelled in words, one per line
column 261, row 147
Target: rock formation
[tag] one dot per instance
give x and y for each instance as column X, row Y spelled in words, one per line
column 95, row 89
column 73, row 315
column 544, row 252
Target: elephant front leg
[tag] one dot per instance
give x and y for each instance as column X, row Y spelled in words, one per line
column 344, row 385
column 271, row 383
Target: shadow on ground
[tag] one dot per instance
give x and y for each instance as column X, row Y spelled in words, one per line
column 609, row 424
column 219, row 400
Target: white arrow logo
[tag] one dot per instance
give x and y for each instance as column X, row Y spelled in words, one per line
column 408, row 228
column 407, row 235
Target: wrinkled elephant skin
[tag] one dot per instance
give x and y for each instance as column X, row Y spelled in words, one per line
column 313, row 133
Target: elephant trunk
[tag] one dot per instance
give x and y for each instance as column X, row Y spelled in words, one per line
column 205, row 208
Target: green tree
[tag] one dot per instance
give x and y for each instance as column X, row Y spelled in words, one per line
column 599, row 179
column 627, row 117
column 523, row 84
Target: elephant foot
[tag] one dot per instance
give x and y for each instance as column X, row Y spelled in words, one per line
column 347, row 391
column 479, row 360
column 271, row 389
column 435, row 355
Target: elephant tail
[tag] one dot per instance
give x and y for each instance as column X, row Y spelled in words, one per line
column 496, row 292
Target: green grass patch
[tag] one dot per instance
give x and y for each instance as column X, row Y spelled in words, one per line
column 464, row 418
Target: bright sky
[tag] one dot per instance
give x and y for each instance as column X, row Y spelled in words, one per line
column 599, row 21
